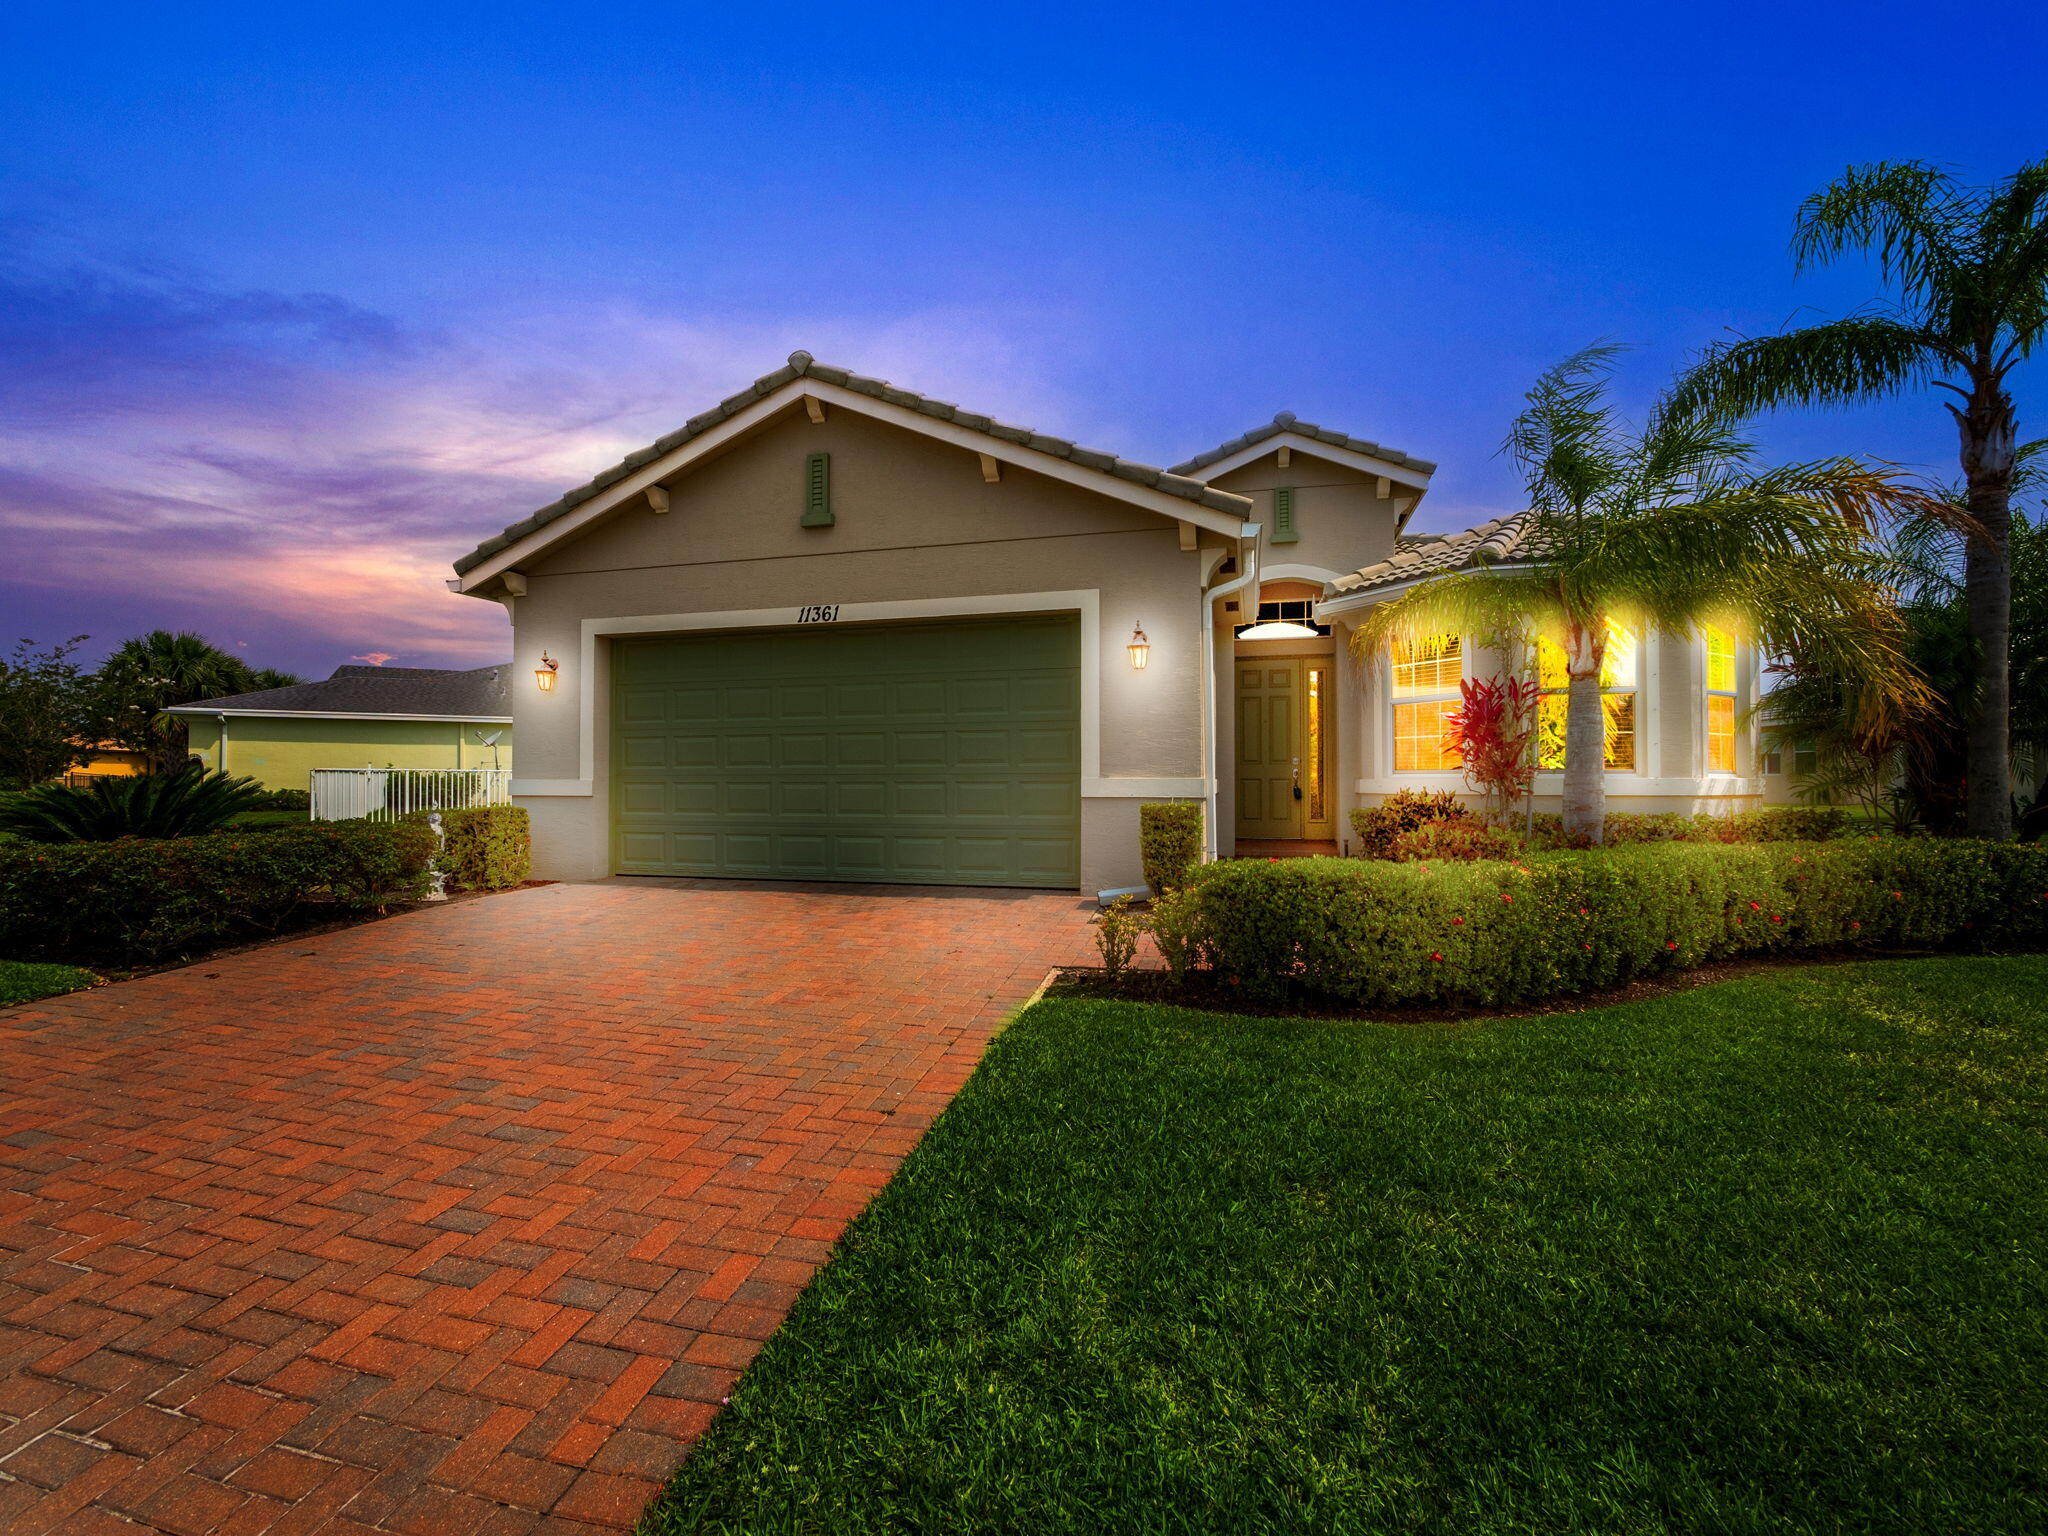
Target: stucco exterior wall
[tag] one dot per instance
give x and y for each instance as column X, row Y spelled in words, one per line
column 1342, row 521
column 914, row 522
column 281, row 753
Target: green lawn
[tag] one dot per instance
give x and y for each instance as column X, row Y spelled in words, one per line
column 1768, row 1256
column 24, row 982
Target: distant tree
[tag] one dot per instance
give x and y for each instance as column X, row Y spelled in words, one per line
column 271, row 677
column 149, row 674
column 1969, row 266
column 45, row 713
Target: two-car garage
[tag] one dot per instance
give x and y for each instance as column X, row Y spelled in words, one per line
column 934, row 753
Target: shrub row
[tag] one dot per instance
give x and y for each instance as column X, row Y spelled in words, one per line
column 488, row 848
column 1421, row 823
column 1383, row 934
column 139, row 900
column 1765, row 824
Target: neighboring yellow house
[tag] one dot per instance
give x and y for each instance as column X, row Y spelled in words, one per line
column 108, row 760
column 361, row 717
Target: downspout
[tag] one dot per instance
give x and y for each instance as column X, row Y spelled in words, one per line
column 1248, row 545
column 220, row 751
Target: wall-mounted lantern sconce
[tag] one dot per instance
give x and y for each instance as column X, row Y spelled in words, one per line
column 544, row 674
column 1140, row 649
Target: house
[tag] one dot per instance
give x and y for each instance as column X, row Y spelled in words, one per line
column 831, row 629
column 380, row 717
column 105, row 760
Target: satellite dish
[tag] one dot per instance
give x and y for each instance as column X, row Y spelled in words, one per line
column 490, row 740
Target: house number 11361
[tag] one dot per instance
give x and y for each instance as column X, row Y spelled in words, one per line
column 822, row 614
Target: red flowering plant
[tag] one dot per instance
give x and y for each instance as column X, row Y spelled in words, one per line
column 1493, row 729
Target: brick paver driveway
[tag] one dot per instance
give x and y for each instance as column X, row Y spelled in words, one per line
column 462, row 1222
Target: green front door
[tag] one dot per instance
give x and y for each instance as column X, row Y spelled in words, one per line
column 1269, row 748
column 929, row 754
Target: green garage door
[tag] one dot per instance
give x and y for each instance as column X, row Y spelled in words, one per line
column 929, row 754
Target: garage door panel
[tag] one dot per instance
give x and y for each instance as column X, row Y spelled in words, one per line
column 940, row 753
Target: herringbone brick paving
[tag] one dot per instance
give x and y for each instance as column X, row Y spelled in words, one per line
column 464, row 1222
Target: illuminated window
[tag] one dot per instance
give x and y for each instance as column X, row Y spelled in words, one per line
column 1427, row 672
column 1419, row 732
column 1619, row 670
column 1428, row 664
column 1318, row 792
column 1720, row 700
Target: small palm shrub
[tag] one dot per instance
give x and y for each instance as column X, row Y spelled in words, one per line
column 1169, row 842
column 181, row 804
column 1377, row 826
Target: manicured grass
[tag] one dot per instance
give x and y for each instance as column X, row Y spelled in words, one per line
column 23, row 982
column 1767, row 1256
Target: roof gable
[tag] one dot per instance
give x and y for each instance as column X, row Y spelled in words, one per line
column 1158, row 490
column 1284, row 430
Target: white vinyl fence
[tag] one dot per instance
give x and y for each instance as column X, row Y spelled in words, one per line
column 385, row 794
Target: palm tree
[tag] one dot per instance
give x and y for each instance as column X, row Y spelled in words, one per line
column 148, row 674
column 1669, row 527
column 1969, row 266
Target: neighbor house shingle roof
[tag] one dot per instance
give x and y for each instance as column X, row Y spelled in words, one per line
column 1417, row 555
column 483, row 693
column 1285, row 422
column 800, row 365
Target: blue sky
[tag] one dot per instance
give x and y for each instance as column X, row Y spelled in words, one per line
column 299, row 302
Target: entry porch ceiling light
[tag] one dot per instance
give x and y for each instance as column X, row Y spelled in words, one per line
column 1279, row 629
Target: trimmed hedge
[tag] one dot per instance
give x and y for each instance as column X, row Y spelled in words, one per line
column 489, row 847
column 1381, row 934
column 135, row 901
column 1169, row 842
column 1764, row 824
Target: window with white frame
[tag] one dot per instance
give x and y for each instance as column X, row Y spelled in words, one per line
column 1620, row 675
column 1426, row 673
column 1720, row 700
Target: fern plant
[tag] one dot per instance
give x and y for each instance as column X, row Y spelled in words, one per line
column 155, row 805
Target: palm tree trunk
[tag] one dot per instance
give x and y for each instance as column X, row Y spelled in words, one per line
column 1988, row 434
column 1585, row 733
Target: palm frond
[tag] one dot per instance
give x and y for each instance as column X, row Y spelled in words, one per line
column 1913, row 215
column 1841, row 362
column 1488, row 603
column 1566, row 440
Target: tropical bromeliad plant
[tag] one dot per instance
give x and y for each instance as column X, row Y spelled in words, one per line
column 1493, row 731
column 1668, row 527
column 1969, row 267
column 152, row 805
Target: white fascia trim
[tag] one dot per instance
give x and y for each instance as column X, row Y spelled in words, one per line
column 1087, row 602
column 1350, row 458
column 1298, row 573
column 324, row 714
column 1179, row 508
column 1372, row 597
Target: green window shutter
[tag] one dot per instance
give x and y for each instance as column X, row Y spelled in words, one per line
column 817, row 491
column 1284, row 531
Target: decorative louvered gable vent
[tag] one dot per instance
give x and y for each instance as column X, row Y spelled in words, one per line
column 1284, row 531
column 817, row 491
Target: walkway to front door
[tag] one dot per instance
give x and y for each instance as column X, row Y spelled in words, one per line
column 464, row 1222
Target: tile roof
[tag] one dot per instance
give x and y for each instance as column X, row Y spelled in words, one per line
column 1285, row 422
column 1432, row 554
column 482, row 693
column 801, row 365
